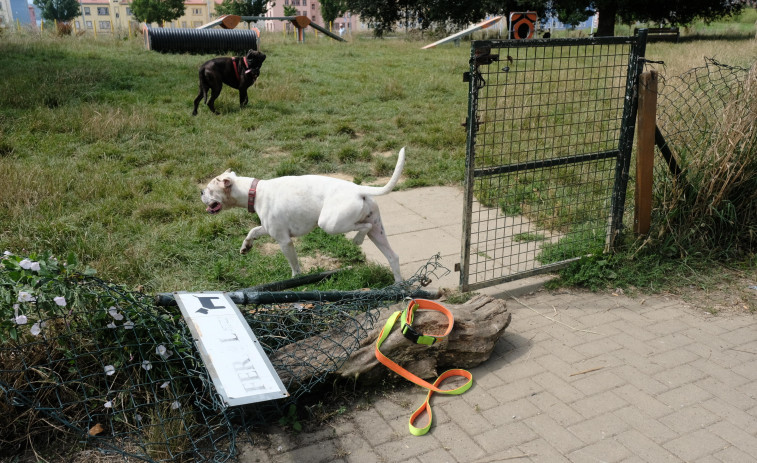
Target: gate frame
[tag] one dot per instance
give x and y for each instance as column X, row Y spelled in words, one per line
column 623, row 153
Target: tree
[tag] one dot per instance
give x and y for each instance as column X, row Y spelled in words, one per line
column 332, row 9
column 58, row 10
column 289, row 10
column 384, row 15
column 242, row 7
column 673, row 12
column 157, row 11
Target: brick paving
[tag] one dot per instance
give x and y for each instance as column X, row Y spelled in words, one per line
column 577, row 377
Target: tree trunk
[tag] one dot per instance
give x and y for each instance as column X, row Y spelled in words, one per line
column 608, row 9
column 479, row 323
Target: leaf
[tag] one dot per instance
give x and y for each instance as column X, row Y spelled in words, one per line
column 96, row 429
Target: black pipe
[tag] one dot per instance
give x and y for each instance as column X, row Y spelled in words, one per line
column 282, row 297
column 200, row 41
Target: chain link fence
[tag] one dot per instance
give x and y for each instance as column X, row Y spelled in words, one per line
column 108, row 368
column 705, row 196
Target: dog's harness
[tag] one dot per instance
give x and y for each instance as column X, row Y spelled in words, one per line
column 251, row 196
column 236, row 70
column 406, row 326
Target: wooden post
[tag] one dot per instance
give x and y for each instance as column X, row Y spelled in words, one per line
column 647, row 118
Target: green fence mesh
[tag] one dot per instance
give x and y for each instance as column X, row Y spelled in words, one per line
column 91, row 359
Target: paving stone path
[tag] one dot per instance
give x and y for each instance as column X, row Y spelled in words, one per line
column 577, row 377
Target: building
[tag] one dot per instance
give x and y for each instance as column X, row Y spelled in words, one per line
column 15, row 11
column 5, row 13
column 114, row 16
column 311, row 9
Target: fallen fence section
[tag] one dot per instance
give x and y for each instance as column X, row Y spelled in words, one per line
column 120, row 374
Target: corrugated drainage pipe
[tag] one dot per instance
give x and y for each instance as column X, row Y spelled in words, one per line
column 200, row 41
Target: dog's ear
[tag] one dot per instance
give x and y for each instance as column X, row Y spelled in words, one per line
column 227, row 183
column 228, row 171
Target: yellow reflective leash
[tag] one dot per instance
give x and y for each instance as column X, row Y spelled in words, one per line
column 406, row 327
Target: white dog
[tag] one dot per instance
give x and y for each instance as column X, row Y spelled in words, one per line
column 293, row 206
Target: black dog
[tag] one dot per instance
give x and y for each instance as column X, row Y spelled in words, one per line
column 237, row 72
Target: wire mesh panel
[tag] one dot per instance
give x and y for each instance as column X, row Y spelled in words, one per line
column 86, row 361
column 550, row 131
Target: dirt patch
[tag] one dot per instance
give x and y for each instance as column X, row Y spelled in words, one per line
column 729, row 292
column 307, row 263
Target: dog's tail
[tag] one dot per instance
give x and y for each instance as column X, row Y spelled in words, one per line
column 203, row 85
column 382, row 190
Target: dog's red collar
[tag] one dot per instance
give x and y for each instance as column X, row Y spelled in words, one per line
column 251, row 196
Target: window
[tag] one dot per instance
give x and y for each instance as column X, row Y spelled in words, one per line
column 304, row 2
column 86, row 11
column 196, row 23
column 103, row 25
column 128, row 11
column 102, row 11
column 89, row 24
column 197, row 12
column 184, row 24
column 312, row 6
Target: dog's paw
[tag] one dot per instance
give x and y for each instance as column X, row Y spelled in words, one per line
column 245, row 248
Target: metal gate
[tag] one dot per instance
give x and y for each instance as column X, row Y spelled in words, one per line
column 550, row 134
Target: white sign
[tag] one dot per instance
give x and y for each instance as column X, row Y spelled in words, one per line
column 232, row 354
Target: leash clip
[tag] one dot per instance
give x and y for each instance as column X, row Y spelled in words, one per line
column 409, row 332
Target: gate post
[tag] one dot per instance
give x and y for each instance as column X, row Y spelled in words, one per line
column 625, row 145
column 645, row 142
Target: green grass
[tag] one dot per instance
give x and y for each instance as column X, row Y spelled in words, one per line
column 100, row 156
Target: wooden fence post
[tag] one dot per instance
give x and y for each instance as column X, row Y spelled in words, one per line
column 647, row 119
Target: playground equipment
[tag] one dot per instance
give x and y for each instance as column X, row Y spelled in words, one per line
column 199, row 40
column 468, row 31
column 522, row 25
column 299, row 22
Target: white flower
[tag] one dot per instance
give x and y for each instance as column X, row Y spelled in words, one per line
column 34, row 267
column 109, row 370
column 114, row 313
column 165, row 385
column 25, row 264
column 36, row 329
column 163, row 352
column 138, row 417
column 19, row 319
column 108, row 404
column 24, row 296
column 175, row 405
column 129, row 325
column 111, row 325
column 147, row 365
column 60, row 300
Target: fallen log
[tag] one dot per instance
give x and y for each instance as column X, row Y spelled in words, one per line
column 479, row 323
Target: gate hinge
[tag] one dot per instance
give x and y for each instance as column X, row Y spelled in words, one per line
column 457, row 267
column 466, row 76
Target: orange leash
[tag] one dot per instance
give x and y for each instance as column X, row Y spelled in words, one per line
column 407, row 317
